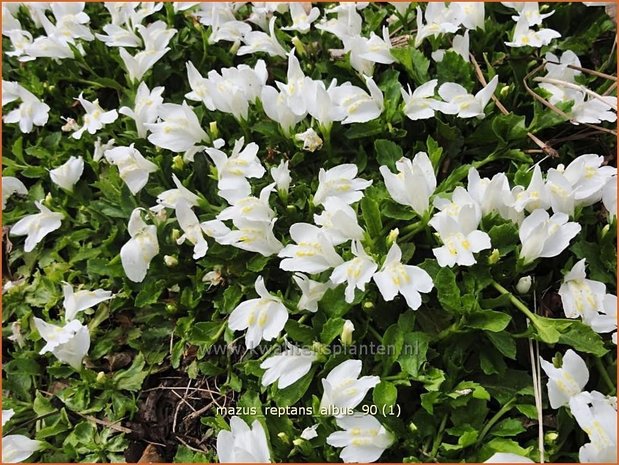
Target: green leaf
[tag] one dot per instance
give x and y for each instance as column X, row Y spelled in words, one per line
column 435, row 152
column 132, row 378
column 504, row 343
column 371, row 216
column 393, row 340
column 414, row 352
column 299, row 332
column 414, row 61
column 508, row 427
column 206, row 332
column 582, row 338
column 384, row 395
column 447, row 290
column 149, row 293
column 488, row 320
column 453, row 68
column 509, row 127
column 331, row 329
column 387, row 153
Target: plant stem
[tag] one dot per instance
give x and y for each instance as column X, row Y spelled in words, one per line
column 438, row 439
column 515, row 301
column 375, row 333
column 497, row 416
column 605, row 376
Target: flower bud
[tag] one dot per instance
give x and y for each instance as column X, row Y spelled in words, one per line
column 100, row 377
column 175, row 234
column 178, row 163
column 393, row 235
column 170, row 261
column 605, row 230
column 412, row 427
column 524, row 284
column 284, row 437
column 300, row 48
column 504, row 92
column 214, row 130
column 48, row 200
column 347, row 330
column 551, row 437
column 494, row 257
column 297, row 442
column 368, row 306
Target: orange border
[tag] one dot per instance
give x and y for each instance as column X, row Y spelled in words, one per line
column 317, row 1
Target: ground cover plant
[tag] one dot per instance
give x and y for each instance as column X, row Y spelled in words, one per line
column 254, row 232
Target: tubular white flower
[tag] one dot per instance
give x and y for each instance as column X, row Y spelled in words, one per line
column 396, row 278
column 567, row 381
column 341, row 182
column 288, row 367
column 343, row 389
column 493, row 195
column 146, row 107
column 169, row 198
column 303, row 15
column 588, row 178
column 363, row 440
column 339, row 221
column 459, row 102
column 257, row 41
column 420, row 104
column 31, row 111
column 596, row 414
column 75, row 302
column 243, row 444
column 356, row 272
column 414, row 183
column 192, row 229
column 133, row 168
column 281, row 176
column 95, row 118
column 263, row 318
column 12, row 186
column 67, row 174
column 253, row 236
column 17, row 448
column 250, row 208
column 179, row 129
column 36, row 226
column 138, row 252
column 526, row 37
column 311, row 140
column 311, row 292
column 544, row 236
column 357, row 104
column 312, row 253
column 609, row 197
column 535, row 196
column 606, row 320
column 69, row 343
column 581, row 297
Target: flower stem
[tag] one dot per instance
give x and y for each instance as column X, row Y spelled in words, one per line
column 605, row 376
column 497, row 416
column 516, row 302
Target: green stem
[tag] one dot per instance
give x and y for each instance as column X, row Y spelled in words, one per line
column 516, row 302
column 438, row 439
column 497, row 416
column 605, row 376
column 375, row 333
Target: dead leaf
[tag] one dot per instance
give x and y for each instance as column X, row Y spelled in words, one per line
column 151, row 455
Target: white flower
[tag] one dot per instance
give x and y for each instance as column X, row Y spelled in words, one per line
column 258, row 41
column 303, row 15
column 560, row 191
column 100, row 149
column 525, row 37
column 311, row 292
column 116, row 36
column 156, row 38
column 439, row 19
column 609, row 197
column 11, row 186
column 395, row 277
column 138, row 252
column 469, row 14
column 169, row 198
column 460, row 238
column 250, row 208
column 69, row 343
column 95, row 117
column 606, row 320
column 493, row 195
column 37, row 226
column 508, row 457
column 276, row 107
column 263, row 318
column 31, row 111
column 460, row 102
column 363, row 440
column 529, row 11
column 365, row 52
column 311, row 140
column 420, row 104
column 581, row 297
column 596, row 414
column 588, row 178
column 146, row 107
column 339, row 221
column 253, row 236
column 356, row 272
column 347, row 24
column 312, row 253
column 567, row 381
column 7, row 414
column 357, row 104
column 243, row 444
column 341, row 182
column 560, row 68
column 414, row 183
column 179, row 129
column 309, row 433
column 343, row 389
column 192, row 229
column 288, row 367
column 67, row 174
column 544, row 236
column 460, row 45
column 133, row 168
column 75, row 302
column 281, row 176
column 232, row 171
column 535, row 196
column 17, row 448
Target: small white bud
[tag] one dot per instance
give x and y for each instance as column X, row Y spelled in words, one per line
column 524, row 284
